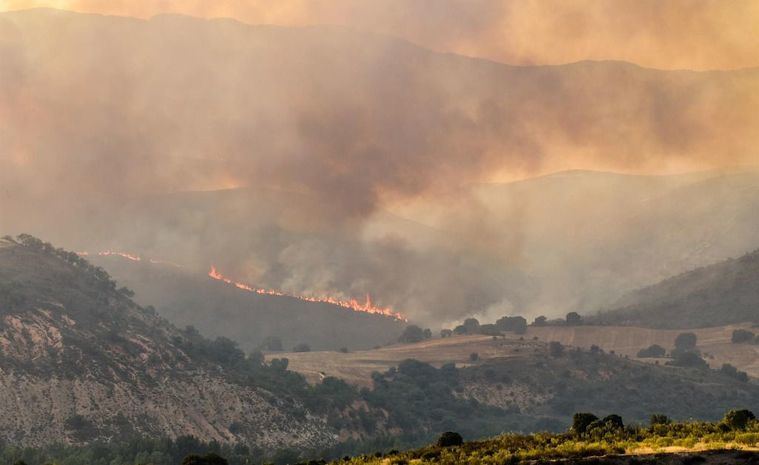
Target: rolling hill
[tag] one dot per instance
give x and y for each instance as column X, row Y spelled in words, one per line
column 723, row 293
column 79, row 360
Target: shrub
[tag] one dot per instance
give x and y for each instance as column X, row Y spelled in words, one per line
column 574, row 319
column 659, row 419
column 733, row 372
column 738, row 419
column 685, row 341
column 581, row 421
column 653, row 351
column 411, row 334
column 208, row 459
column 742, row 336
column 474, row 356
column 555, row 349
column 687, row 359
column 516, row 324
column 450, row 439
column 471, row 325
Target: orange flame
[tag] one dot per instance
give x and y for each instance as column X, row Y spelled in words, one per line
column 352, row 304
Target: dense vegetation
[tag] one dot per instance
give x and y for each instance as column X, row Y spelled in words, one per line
column 599, row 437
column 720, row 294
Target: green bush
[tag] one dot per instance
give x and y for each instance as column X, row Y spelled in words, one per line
column 738, row 419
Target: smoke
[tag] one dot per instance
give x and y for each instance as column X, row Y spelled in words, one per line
column 687, row 34
column 107, row 125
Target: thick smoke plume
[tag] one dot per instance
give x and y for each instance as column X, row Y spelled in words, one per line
column 110, row 128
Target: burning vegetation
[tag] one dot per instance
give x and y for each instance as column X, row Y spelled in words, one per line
column 351, row 304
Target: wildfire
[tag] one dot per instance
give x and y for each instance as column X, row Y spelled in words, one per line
column 352, row 304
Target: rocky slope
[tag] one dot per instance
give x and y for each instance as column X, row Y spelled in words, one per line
column 80, row 361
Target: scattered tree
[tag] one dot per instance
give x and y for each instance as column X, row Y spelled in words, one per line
column 653, row 351
column 574, row 319
column 516, row 324
column 686, row 341
column 411, row 334
column 450, row 439
column 738, row 419
column 540, row 321
column 733, row 372
column 581, row 421
column 555, row 349
column 742, row 336
column 660, row 419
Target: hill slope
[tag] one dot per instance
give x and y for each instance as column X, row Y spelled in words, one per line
column 218, row 309
column 719, row 294
column 80, row 361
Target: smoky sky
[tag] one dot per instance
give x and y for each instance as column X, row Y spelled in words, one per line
column 110, row 127
column 687, row 34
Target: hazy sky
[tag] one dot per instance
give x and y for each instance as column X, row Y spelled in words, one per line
column 109, row 126
column 690, row 34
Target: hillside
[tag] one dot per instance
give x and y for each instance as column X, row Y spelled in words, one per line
column 80, row 361
column 522, row 376
column 217, row 309
column 719, row 294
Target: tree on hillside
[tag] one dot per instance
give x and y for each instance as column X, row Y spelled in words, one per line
column 411, row 334
column 555, row 349
column 738, row 419
column 686, row 341
column 574, row 319
column 683, row 358
column 450, row 439
column 581, row 421
column 742, row 336
column 653, row 351
column 208, row 459
column 471, row 325
column 516, row 324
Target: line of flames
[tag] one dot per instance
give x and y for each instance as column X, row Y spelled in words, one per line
column 352, row 304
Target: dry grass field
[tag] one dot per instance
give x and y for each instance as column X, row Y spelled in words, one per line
column 357, row 367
